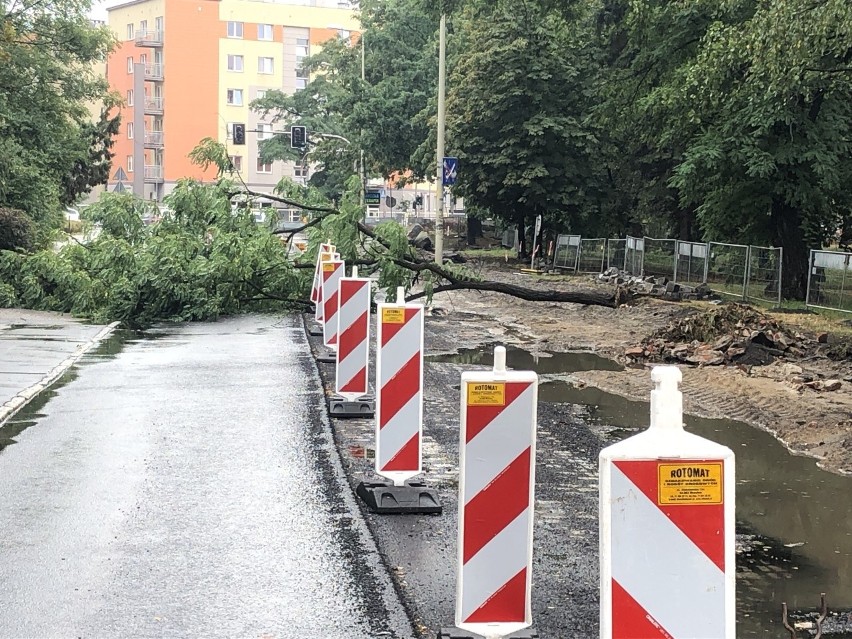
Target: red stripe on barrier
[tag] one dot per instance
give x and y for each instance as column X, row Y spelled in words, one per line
column 400, row 388
column 508, row 604
column 704, row 523
column 357, row 383
column 353, row 336
column 497, row 505
column 630, row 620
column 408, row 456
column 478, row 417
column 389, row 329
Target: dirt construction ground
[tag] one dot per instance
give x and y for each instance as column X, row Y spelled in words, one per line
column 807, row 418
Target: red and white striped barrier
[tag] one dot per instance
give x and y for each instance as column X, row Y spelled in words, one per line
column 399, row 389
column 496, row 499
column 353, row 337
column 315, row 287
column 332, row 271
column 322, row 258
column 667, row 529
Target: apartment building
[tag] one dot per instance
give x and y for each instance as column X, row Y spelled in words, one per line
column 188, row 69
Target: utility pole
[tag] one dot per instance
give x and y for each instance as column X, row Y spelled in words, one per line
column 439, row 185
column 362, row 168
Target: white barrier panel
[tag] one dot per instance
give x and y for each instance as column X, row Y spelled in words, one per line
column 315, row 287
column 322, row 258
column 353, row 337
column 496, row 499
column 399, row 389
column 332, row 271
column 667, row 529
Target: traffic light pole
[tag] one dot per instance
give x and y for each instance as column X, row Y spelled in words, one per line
column 439, row 186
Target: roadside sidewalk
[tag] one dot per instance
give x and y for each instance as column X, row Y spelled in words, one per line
column 36, row 348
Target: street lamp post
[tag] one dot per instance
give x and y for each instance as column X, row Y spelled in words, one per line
column 439, row 186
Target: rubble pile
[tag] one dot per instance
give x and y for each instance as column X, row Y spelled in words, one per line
column 656, row 286
column 729, row 333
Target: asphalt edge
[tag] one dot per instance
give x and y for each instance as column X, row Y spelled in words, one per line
column 23, row 398
column 388, row 577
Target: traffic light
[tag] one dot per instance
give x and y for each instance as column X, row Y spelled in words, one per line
column 298, row 137
column 239, row 133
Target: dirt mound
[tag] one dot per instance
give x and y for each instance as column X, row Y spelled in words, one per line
column 729, row 333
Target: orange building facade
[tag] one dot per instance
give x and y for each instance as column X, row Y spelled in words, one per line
column 188, row 70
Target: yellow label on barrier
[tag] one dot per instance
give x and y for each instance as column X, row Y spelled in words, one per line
column 689, row 484
column 486, row 394
column 393, row 316
column 328, row 267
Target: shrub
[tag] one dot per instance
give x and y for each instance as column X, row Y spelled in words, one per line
column 17, row 230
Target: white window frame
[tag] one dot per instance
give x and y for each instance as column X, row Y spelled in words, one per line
column 261, row 66
column 129, row 97
column 130, row 130
column 130, row 64
column 263, row 166
column 236, row 63
column 235, row 29
column 261, row 93
column 300, row 170
column 130, row 164
column 231, row 97
column 143, row 26
column 263, row 30
column 130, row 31
column 264, row 131
column 301, row 83
column 236, row 162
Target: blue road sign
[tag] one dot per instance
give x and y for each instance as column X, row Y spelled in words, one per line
column 451, row 171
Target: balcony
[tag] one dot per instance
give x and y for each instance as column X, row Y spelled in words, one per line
column 153, row 174
column 149, row 38
column 153, row 106
column 154, row 139
column 153, row 72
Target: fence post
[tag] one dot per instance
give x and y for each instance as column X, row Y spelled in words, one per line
column 676, row 260
column 781, row 272
column 706, row 262
column 810, row 274
column 624, row 267
column 747, row 275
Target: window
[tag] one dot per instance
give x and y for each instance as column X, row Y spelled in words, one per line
column 130, row 31
column 261, row 93
column 130, row 164
column 264, row 131
column 130, row 130
column 158, row 25
column 235, row 63
column 143, row 59
column 264, row 65
column 235, row 29
column 235, row 97
column 129, row 97
column 300, row 170
column 264, row 167
column 130, row 64
column 301, row 83
column 264, row 32
column 143, row 26
column 236, row 162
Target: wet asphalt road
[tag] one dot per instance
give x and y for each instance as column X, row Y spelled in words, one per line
column 187, row 486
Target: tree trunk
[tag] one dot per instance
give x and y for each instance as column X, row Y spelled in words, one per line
column 474, row 229
column 788, row 233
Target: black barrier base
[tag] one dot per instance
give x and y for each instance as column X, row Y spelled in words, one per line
column 455, row 633
column 328, row 357
column 315, row 332
column 411, row 499
column 361, row 407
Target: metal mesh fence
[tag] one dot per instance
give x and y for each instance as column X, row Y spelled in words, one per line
column 567, row 252
column 763, row 277
column 633, row 254
column 830, row 280
column 616, row 253
column 691, row 263
column 659, row 257
column 592, row 255
column 727, row 266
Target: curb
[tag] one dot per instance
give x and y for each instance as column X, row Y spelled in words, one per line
column 20, row 400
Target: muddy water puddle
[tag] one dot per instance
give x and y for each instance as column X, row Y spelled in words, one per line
column 794, row 520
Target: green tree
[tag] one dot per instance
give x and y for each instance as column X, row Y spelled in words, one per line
column 51, row 152
column 516, row 115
